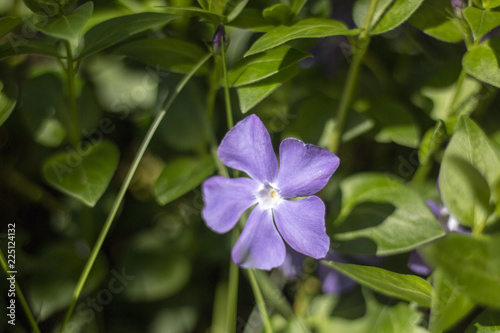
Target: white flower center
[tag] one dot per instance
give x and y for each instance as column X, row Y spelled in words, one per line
column 268, row 196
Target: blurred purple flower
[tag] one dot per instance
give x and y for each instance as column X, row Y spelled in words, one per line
column 304, row 170
column 458, row 4
column 448, row 223
column 417, row 264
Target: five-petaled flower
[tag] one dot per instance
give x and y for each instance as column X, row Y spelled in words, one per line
column 304, row 169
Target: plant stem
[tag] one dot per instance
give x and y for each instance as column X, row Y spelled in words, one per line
column 227, row 98
column 352, row 77
column 260, row 302
column 119, row 198
column 232, row 294
column 74, row 128
column 20, row 296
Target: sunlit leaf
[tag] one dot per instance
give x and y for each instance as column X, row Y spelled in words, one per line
column 252, row 94
column 407, row 287
column 306, row 28
column 388, row 15
column 69, row 26
column 481, row 21
column 481, row 62
column 381, row 216
column 264, row 65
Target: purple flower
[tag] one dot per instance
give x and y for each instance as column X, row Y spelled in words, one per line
column 417, row 264
column 447, row 221
column 304, row 170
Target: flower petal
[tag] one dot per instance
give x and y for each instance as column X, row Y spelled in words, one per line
column 260, row 245
column 225, row 200
column 247, row 147
column 304, row 168
column 417, row 264
column 302, row 224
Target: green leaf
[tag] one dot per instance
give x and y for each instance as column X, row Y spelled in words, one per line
column 296, row 5
column 264, row 65
column 488, row 4
column 466, row 187
column 43, row 7
column 181, row 176
column 471, row 144
column 278, row 14
column 185, row 125
column 472, row 262
column 251, row 19
column 252, row 94
column 394, row 123
column 315, row 112
column 83, row 173
column 381, row 216
column 68, row 27
column 117, row 29
column 388, row 15
column 49, row 292
column 306, row 28
column 487, row 321
column 233, row 8
column 436, row 19
column 448, row 105
column 407, row 287
column 123, row 89
column 448, row 304
column 464, row 191
column 8, row 23
column 481, row 62
column 170, row 54
column 156, row 270
column 7, row 105
column 481, row 21
column 29, row 47
column 379, row 317
column 201, row 13
column 43, row 108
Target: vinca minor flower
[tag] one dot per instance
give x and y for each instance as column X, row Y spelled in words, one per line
column 304, row 169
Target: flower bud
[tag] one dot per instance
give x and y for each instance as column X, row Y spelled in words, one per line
column 219, row 38
column 458, row 4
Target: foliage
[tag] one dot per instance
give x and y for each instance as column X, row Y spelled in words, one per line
column 111, row 115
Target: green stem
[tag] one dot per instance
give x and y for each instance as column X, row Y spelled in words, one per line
column 352, row 77
column 133, row 167
column 74, row 128
column 260, row 302
column 232, row 294
column 20, row 296
column 227, row 98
